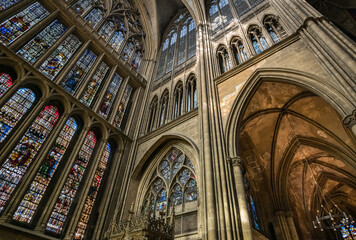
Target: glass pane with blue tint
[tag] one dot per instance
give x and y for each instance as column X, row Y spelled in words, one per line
column 264, row 43
column 94, row 17
column 20, row 23
column 191, row 193
column 181, row 45
column 184, row 176
column 64, row 202
column 165, row 170
column 110, row 94
column 79, row 71
column 94, row 84
column 225, row 12
column 122, row 106
column 18, row 162
column 215, row 19
column 7, row 3
column 82, row 6
column 136, row 60
column 170, row 57
column 162, row 61
column 177, row 195
column 254, row 213
column 34, row 49
column 93, row 193
column 273, row 34
column 5, row 82
column 34, row 194
column 162, row 201
column 12, row 112
column 192, row 40
column 241, row 6
column 116, row 40
column 58, row 59
column 128, row 50
column 107, row 30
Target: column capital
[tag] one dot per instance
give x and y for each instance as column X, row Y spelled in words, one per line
column 350, row 120
column 235, row 161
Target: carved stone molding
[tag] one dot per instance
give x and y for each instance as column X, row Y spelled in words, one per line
column 350, row 120
column 235, row 161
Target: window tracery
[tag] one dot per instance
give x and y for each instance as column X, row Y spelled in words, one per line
column 94, row 17
column 5, row 82
column 153, row 114
column 192, row 100
column 224, row 59
column 164, row 108
column 123, row 108
column 239, row 50
column 274, row 28
column 109, row 96
column 258, row 41
column 220, row 14
column 178, row 100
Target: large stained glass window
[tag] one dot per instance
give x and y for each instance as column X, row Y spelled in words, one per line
column 94, row 17
column 12, row 112
column 33, row 50
column 93, row 193
column 110, row 94
column 128, row 50
column 16, row 165
column 7, row 3
column 34, row 194
column 79, row 71
column 82, row 6
column 192, row 42
column 5, row 82
column 136, row 60
column 58, row 59
column 116, row 40
column 106, row 30
column 182, row 45
column 64, row 202
column 94, row 84
column 20, row 23
column 122, row 106
column 171, row 50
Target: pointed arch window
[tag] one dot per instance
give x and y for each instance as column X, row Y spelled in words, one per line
column 60, row 212
column 7, row 3
column 59, row 58
column 224, row 59
column 34, row 49
column 14, row 109
column 192, row 42
column 220, row 14
column 164, row 108
column 170, row 56
column 16, row 165
column 124, row 108
column 178, row 100
column 258, row 41
column 15, row 26
column 274, row 28
column 107, row 30
column 94, row 17
column 94, row 84
column 93, row 193
column 239, row 50
column 153, row 114
column 110, row 94
column 79, row 71
column 192, row 100
column 251, row 205
column 5, row 82
column 182, row 45
column 34, row 194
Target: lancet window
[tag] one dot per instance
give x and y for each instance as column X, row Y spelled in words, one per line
column 94, row 17
column 34, row 194
column 109, row 96
column 20, row 159
column 153, row 114
column 220, row 14
column 192, row 98
column 21, row 22
column 239, row 50
column 274, row 28
column 258, row 41
column 251, row 206
column 164, row 108
column 7, row 3
column 34, row 49
column 5, row 82
column 178, row 100
column 224, row 59
column 124, row 107
column 83, row 6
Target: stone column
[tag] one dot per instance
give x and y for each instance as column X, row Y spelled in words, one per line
column 291, row 225
column 281, row 220
column 350, row 122
column 237, row 168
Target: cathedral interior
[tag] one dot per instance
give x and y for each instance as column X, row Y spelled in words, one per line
column 178, row 119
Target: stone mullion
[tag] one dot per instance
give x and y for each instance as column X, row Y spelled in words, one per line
column 155, row 117
column 181, row 102
column 27, row 36
column 70, row 64
column 53, row 47
column 239, row 53
column 83, row 189
column 47, row 210
column 32, row 170
column 267, row 36
column 232, row 57
column 134, row 99
column 117, row 100
column 91, row 73
column 276, row 31
column 17, row 84
column 149, row 122
column 104, row 88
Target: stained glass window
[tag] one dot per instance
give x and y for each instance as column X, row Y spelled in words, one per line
column 181, row 45
column 116, row 40
column 165, row 170
column 170, row 56
column 94, row 84
column 106, row 30
column 7, row 3
column 94, row 17
column 20, row 23
column 122, row 106
column 79, row 71
column 5, row 82
column 254, row 214
column 128, row 50
column 12, row 112
column 110, row 94
column 82, row 6
column 136, row 60
column 226, row 14
column 33, row 50
column 191, row 40
column 34, row 194
column 177, row 195
column 58, row 59
column 162, row 201
column 190, row 193
column 162, row 60
column 241, row 6
column 251, row 205
column 16, row 165
column 63, row 204
column 92, row 194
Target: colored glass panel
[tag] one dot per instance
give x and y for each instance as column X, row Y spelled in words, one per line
column 157, row 185
column 34, row 194
column 184, row 176
column 7, row 3
column 116, row 40
column 177, row 195
column 170, row 56
column 128, row 50
column 191, row 193
column 20, row 23
column 12, row 112
column 79, row 71
column 273, row 34
column 106, row 30
column 61, row 209
column 122, row 106
column 16, row 165
column 82, row 6
column 136, row 60
column 92, row 194
column 94, row 17
column 33, row 50
column 58, row 59
column 254, row 213
column 181, row 45
column 110, row 94
column 256, row 46
column 162, row 201
column 165, row 170
column 5, row 82
column 94, row 84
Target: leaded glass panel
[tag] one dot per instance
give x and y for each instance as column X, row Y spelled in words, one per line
column 107, row 30
column 79, row 72
column 58, row 59
column 162, row 201
column 34, row 49
column 64, row 202
column 190, row 193
column 191, row 40
column 110, row 94
column 82, row 6
column 12, row 112
column 34, row 194
column 184, row 176
column 18, row 162
column 5, row 82
column 215, row 18
column 21, row 22
column 181, row 45
column 7, row 3
column 136, row 60
column 117, row 40
column 177, row 195
column 128, row 50
column 226, row 14
column 241, row 6
column 122, row 106
column 94, row 17
column 162, row 60
column 170, row 57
